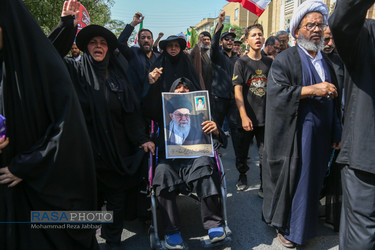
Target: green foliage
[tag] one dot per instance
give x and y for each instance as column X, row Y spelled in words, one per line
column 47, row 12
column 239, row 31
column 116, row 26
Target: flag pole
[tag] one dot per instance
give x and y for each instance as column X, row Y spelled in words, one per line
column 256, row 20
column 247, row 19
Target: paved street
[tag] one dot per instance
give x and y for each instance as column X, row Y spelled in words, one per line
column 244, row 217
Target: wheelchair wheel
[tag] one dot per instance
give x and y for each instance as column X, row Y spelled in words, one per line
column 151, row 237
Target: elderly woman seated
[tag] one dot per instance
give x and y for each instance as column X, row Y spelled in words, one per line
column 197, row 175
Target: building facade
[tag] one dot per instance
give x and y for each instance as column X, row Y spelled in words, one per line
column 206, row 24
column 279, row 13
column 238, row 15
column 276, row 17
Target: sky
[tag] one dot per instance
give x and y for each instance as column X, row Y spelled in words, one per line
column 168, row 16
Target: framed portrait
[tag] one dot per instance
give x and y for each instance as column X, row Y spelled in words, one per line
column 200, row 102
column 183, row 114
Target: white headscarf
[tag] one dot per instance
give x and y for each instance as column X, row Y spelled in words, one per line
column 307, row 7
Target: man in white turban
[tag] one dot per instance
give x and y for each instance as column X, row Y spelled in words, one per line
column 302, row 125
column 355, row 38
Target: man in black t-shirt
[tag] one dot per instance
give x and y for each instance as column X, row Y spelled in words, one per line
column 250, row 84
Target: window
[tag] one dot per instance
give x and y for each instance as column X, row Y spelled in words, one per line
column 236, row 14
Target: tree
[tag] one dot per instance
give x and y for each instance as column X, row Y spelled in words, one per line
column 47, row 12
column 239, row 31
column 116, row 26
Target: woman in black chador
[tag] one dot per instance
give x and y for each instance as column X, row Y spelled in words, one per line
column 111, row 112
column 48, row 163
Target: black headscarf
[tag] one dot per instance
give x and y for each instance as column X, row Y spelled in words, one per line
column 175, row 67
column 49, row 145
column 182, row 80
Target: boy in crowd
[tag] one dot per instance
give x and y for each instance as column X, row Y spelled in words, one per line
column 250, row 84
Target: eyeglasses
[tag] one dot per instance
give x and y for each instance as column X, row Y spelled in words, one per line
column 228, row 38
column 179, row 115
column 276, row 48
column 312, row 26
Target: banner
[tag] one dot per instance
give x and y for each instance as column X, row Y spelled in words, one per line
column 84, row 18
column 254, row 6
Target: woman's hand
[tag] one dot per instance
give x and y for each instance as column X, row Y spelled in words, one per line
column 148, row 146
column 154, row 75
column 210, row 127
column 71, row 8
column 7, row 177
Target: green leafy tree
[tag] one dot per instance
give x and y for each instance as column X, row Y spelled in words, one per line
column 238, row 30
column 47, row 12
column 116, row 26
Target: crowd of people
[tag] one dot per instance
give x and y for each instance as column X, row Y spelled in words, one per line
column 77, row 124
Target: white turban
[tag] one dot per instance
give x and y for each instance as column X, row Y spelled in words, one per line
column 307, row 7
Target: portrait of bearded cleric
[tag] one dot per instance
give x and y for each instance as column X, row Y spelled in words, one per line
column 183, row 123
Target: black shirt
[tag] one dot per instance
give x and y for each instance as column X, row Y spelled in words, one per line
column 252, row 75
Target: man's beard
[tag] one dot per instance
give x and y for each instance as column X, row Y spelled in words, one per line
column 205, row 47
column 310, row 46
column 328, row 49
column 226, row 49
column 181, row 129
column 146, row 50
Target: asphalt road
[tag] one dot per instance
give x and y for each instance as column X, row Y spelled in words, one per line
column 244, row 217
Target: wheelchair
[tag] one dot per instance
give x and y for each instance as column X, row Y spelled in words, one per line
column 154, row 239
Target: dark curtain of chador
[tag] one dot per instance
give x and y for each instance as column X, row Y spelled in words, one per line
column 49, row 145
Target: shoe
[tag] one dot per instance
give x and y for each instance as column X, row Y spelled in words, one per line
column 174, row 241
column 260, row 193
column 216, row 234
column 285, row 242
column 242, row 182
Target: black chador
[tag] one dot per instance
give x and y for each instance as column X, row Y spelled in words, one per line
column 49, row 143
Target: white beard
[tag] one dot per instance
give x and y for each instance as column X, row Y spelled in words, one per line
column 180, row 132
column 310, row 46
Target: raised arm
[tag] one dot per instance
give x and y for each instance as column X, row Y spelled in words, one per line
column 215, row 52
column 62, row 36
column 156, row 43
column 347, row 24
column 126, row 33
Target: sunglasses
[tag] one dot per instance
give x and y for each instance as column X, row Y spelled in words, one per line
column 228, row 38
